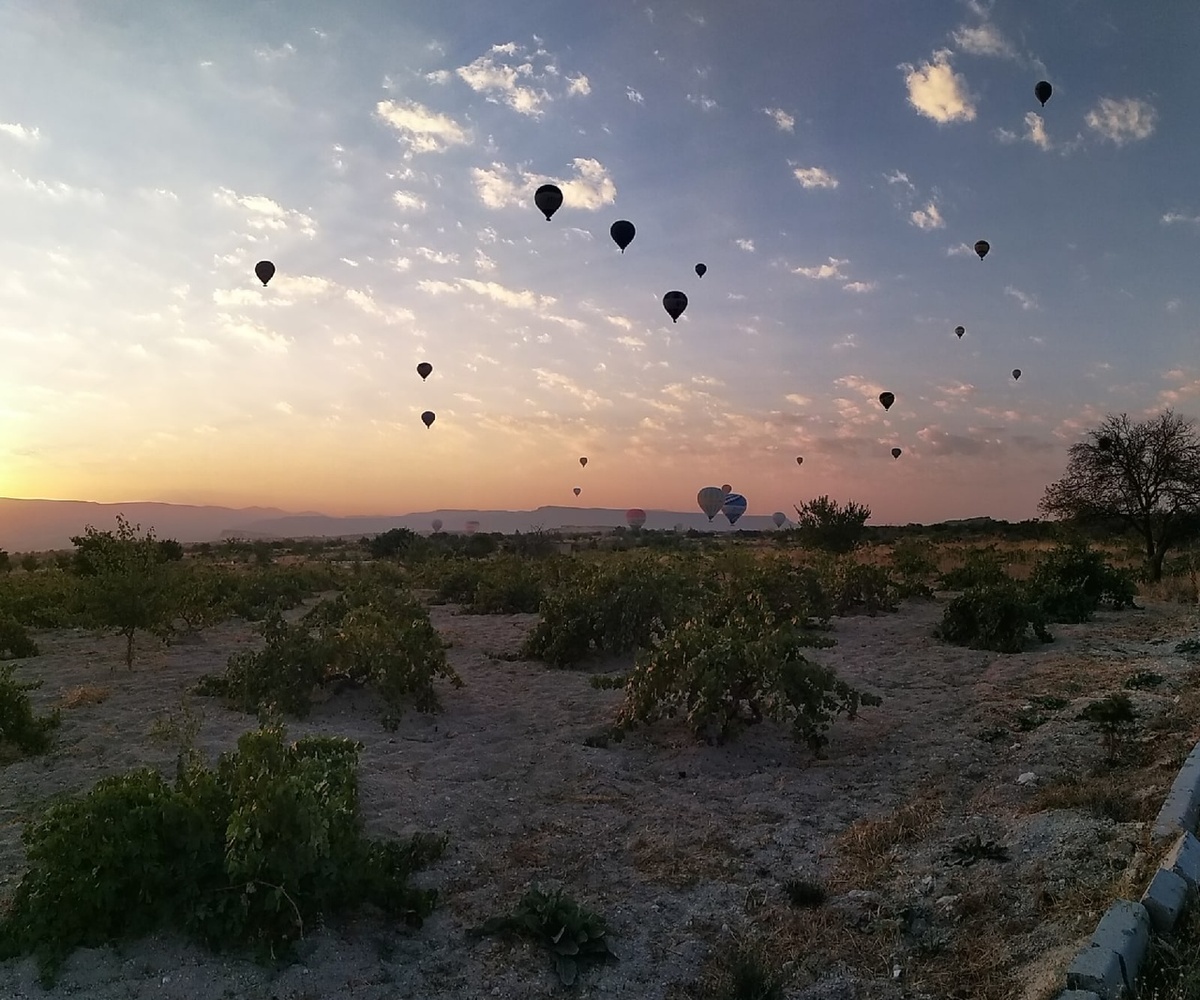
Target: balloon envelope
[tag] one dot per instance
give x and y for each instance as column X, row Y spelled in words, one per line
column 437, row 524
column 674, row 303
column 896, row 453
column 726, row 490
column 549, row 199
column 710, row 499
column 734, row 507
column 779, row 517
column 1043, row 91
column 622, row 233
column 577, row 491
column 264, row 270
column 428, row 417
column 424, row 369
column 635, row 517
column 887, row 399
column 700, row 269
column 583, row 461
column 471, row 527
column 959, row 331
column 1016, row 374
column 982, row 248
column 799, row 459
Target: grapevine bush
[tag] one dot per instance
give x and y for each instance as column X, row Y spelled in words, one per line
column 21, row 732
column 997, row 617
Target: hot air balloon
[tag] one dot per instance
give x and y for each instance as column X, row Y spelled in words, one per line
column 549, row 199
column 1104, row 443
column 679, row 528
column 577, row 491
column 896, row 453
column 726, row 490
column 424, row 369
column 1042, row 92
column 799, row 459
column 471, row 527
column 674, row 303
column 583, row 461
column 959, row 331
column 982, row 248
column 710, row 499
column 734, row 507
column 622, row 233
column 635, row 517
column 1016, row 374
column 428, row 417
column 700, row 269
column 887, row 399
column 437, row 524
column 265, row 271
column 780, row 518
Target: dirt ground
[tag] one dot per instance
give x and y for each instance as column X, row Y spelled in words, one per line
column 684, row 847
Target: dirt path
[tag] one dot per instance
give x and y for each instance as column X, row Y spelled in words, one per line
column 679, row 844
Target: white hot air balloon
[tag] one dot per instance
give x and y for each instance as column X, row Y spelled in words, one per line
column 437, row 524
column 780, row 518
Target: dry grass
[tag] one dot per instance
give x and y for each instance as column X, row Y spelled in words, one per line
column 84, row 694
column 683, row 853
column 865, row 848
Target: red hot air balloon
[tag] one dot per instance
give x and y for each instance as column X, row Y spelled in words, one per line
column 982, row 247
column 635, row 517
column 674, row 303
column 428, row 417
column 887, row 399
column 622, row 233
column 264, row 270
column 549, row 199
column 424, row 369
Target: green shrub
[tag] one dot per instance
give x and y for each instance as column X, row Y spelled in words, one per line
column 249, row 854
column 14, row 640
column 1072, row 581
column 915, row 563
column 996, row 617
column 21, row 732
column 503, row 585
column 727, row 675
column 983, row 568
column 1114, row 717
column 858, row 587
column 824, row 524
column 265, row 588
column 50, row 599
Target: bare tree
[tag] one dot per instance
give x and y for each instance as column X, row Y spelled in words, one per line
column 1144, row 475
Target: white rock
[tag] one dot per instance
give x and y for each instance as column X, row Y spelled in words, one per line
column 1028, row 778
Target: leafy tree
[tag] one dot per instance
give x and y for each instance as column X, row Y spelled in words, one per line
column 29, row 562
column 825, row 524
column 1145, row 476
column 5, row 562
column 390, row 544
column 126, row 584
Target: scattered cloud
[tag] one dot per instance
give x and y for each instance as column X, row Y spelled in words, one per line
column 408, row 202
column 702, row 102
column 1122, row 121
column 501, row 187
column 814, row 177
column 264, row 213
column 1173, row 218
column 937, row 92
column 928, row 217
column 553, row 380
column 22, row 133
column 783, row 121
column 861, row 286
column 899, row 177
column 58, row 191
column 1027, row 301
column 1035, row 132
column 262, row 339
column 436, row 256
column 983, row 40
column 501, row 83
column 634, row 95
column 439, row 76
column 579, row 85
column 747, row 245
column 421, row 130
column 823, row 271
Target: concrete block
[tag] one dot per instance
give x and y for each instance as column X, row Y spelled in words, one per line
column 1125, row 929
column 1181, row 809
column 1184, row 859
column 1165, row 899
column 1098, row 970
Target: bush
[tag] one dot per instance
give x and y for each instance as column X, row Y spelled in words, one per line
column 21, row 732
column 267, row 588
column 1072, row 581
column 727, row 675
column 858, row 587
column 824, row 524
column 393, row 544
column 983, row 568
column 14, row 640
column 996, row 617
column 41, row 600
column 248, row 854
column 915, row 564
column 501, row 586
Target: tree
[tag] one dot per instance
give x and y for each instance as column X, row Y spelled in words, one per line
column 1145, row 476
column 5, row 562
column 824, row 524
column 125, row 580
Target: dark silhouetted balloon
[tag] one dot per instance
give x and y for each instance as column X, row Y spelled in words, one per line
column 1016, row 374
column 799, row 459
column 896, row 453
column 635, row 517
column 583, row 461
column 264, row 270
column 428, row 417
column 577, row 491
column 437, row 524
column 710, row 499
column 982, row 248
column 549, row 199
column 700, row 269
column 726, row 490
column 959, row 331
column 1042, row 92
column 424, row 369
column 780, row 518
column 887, row 399
column 674, row 303
column 622, row 233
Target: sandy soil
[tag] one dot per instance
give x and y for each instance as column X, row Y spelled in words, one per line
column 682, row 846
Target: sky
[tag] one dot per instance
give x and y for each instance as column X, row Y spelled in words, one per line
column 832, row 164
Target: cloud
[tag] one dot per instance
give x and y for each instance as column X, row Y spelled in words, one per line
column 942, row 442
column 436, row 256
column 814, row 177
column 579, row 85
column 366, row 302
column 1122, row 121
column 264, row 340
column 439, row 76
column 899, row 177
column 861, row 286
column 984, row 40
column 705, row 103
column 22, row 133
column 961, row 250
column 1027, row 301
column 553, row 380
column 58, row 190
column 1035, row 132
column 268, row 54
column 499, row 82
column 408, row 202
column 592, row 189
column 747, row 245
column 266, row 213
column 633, row 342
column 783, row 121
column 634, row 96
column 797, row 400
column 1173, row 218
column 823, row 271
column 937, row 92
column 483, row 262
column 422, row 130
column 928, row 217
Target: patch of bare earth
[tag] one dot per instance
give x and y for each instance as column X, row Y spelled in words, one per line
column 684, row 847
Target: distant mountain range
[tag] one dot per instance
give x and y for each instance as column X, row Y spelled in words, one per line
column 39, row 525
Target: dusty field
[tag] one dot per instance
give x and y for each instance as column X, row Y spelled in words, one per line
column 684, row 847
